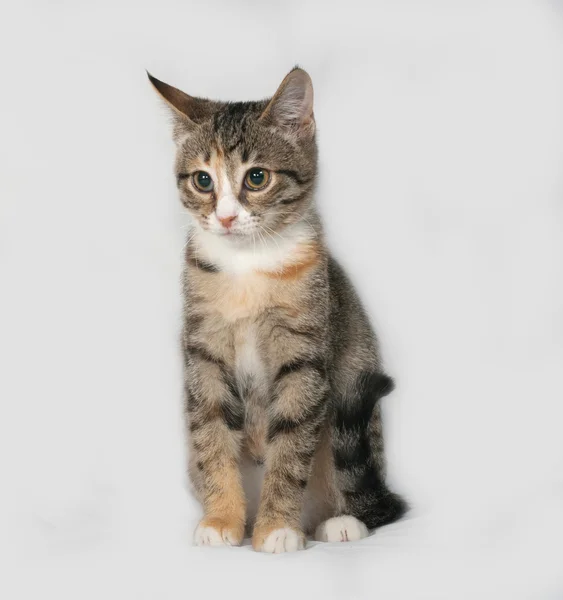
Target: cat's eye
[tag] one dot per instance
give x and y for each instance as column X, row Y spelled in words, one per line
column 256, row 178
column 203, row 181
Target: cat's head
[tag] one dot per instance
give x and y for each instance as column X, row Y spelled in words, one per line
column 245, row 169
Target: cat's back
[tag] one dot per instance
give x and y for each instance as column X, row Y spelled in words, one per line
column 353, row 339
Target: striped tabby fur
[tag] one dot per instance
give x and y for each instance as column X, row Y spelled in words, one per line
column 282, row 369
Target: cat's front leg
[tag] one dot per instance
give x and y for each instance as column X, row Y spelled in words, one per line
column 298, row 411
column 215, row 418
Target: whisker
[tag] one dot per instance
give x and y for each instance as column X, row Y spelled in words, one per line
column 271, row 236
column 273, row 231
column 300, row 217
column 261, row 238
column 274, row 239
column 280, row 272
column 190, row 238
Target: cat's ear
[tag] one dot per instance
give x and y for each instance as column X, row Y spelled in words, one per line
column 291, row 107
column 186, row 110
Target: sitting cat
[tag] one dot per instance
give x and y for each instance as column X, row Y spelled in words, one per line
column 282, row 369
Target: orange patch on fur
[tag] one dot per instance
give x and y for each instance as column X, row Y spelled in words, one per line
column 217, row 161
column 294, row 270
column 223, row 524
column 241, row 297
column 226, row 499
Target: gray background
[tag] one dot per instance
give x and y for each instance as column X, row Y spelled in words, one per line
column 440, row 130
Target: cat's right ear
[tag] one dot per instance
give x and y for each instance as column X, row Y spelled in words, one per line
column 186, row 110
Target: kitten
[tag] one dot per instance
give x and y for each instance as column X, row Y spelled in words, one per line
column 282, row 369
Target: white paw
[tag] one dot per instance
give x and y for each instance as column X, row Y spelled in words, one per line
column 341, row 529
column 283, row 540
column 209, row 536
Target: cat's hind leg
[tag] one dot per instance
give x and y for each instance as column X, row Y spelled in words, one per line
column 344, row 528
column 359, row 462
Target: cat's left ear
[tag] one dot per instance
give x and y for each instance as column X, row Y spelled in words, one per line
column 291, row 107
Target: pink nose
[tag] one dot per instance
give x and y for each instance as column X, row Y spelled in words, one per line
column 227, row 221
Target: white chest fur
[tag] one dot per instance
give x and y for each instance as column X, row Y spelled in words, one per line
column 249, row 363
column 254, row 254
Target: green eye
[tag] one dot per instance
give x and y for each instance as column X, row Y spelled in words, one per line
column 256, row 179
column 203, row 181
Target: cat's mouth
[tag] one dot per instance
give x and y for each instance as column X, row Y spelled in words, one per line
column 231, row 233
column 234, row 233
column 237, row 233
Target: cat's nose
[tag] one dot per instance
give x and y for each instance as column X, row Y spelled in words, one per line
column 227, row 221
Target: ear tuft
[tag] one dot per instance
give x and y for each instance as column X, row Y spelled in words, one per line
column 291, row 107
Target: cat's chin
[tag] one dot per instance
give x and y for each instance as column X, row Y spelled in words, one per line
column 233, row 237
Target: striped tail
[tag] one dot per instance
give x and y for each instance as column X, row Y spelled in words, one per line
column 357, row 445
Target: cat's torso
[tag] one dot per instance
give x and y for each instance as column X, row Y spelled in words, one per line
column 248, row 317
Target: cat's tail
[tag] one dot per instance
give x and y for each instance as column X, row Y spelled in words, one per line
column 357, row 446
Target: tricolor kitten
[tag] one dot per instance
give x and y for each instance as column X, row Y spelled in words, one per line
column 282, row 369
